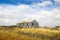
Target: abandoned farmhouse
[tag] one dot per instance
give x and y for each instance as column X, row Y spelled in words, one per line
column 28, row 24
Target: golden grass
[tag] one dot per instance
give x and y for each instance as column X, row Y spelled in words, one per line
column 29, row 34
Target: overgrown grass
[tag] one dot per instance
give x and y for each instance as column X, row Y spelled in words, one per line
column 29, row 34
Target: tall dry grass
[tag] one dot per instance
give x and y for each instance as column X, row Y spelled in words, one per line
column 29, row 34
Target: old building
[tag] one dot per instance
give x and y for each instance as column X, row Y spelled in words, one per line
column 28, row 24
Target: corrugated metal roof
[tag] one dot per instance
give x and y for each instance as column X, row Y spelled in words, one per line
column 26, row 21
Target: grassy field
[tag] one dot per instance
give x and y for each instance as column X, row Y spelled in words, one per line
column 29, row 34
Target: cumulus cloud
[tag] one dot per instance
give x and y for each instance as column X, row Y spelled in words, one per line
column 57, row 0
column 44, row 3
column 11, row 14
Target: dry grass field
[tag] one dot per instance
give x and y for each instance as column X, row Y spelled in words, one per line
column 29, row 34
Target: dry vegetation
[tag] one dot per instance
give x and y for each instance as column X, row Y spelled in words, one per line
column 29, row 34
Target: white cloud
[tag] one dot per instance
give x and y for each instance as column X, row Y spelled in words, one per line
column 44, row 3
column 10, row 14
column 0, row 12
column 57, row 0
column 23, row 6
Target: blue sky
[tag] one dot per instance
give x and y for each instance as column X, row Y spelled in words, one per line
column 46, row 12
column 15, row 2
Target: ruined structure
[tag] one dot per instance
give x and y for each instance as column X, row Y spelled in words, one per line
column 28, row 24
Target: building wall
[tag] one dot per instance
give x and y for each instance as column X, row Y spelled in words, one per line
column 29, row 24
column 25, row 25
column 34, row 24
column 21, row 24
